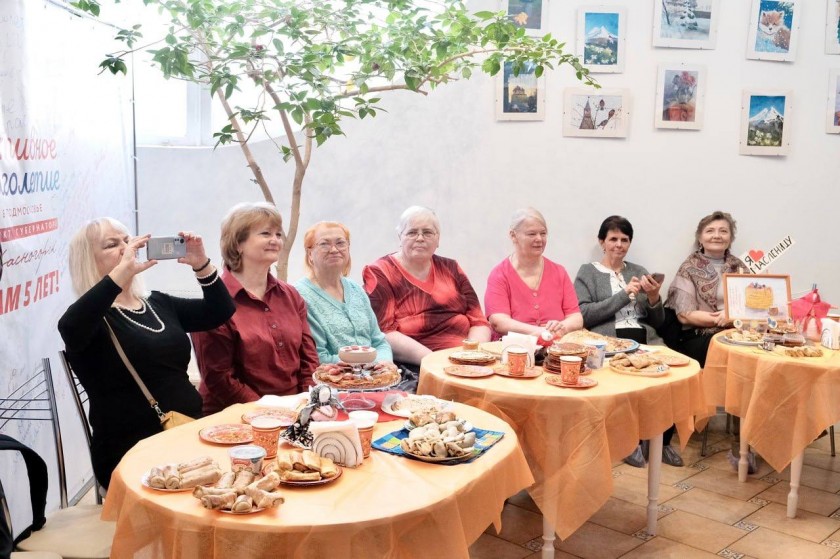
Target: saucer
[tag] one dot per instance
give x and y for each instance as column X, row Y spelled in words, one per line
column 583, row 382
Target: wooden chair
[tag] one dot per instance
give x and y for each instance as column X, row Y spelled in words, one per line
column 80, row 398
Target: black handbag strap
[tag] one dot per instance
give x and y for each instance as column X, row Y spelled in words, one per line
column 36, row 471
column 133, row 371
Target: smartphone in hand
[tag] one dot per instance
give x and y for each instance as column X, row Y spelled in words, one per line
column 165, row 248
column 658, row 277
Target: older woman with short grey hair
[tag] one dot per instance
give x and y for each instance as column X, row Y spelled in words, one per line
column 424, row 302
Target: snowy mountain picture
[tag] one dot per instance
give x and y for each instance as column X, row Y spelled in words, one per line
column 600, row 39
column 763, row 125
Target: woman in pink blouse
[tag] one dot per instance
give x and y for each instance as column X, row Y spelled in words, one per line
column 266, row 347
column 526, row 292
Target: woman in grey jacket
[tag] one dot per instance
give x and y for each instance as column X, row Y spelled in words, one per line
column 621, row 299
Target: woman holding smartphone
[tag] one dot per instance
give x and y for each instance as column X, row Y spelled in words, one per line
column 621, row 299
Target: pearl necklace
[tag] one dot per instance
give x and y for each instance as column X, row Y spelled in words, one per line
column 142, row 310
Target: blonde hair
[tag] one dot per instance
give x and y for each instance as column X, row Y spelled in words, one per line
column 520, row 215
column 309, row 244
column 82, row 256
column 237, row 225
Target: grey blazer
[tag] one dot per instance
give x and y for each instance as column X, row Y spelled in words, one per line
column 598, row 304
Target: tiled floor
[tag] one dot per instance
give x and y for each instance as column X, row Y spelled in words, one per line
column 704, row 512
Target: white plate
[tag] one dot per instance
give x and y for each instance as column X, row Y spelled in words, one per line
column 252, row 511
column 391, row 399
column 145, row 481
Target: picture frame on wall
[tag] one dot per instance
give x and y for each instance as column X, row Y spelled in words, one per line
column 832, row 27
column 532, row 15
column 680, row 96
column 832, row 125
column 765, row 122
column 602, row 113
column 756, row 297
column 685, row 24
column 601, row 38
column 522, row 96
column 774, row 25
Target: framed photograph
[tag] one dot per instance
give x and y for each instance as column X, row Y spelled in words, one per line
column 756, row 297
column 600, row 38
column 832, row 124
column 832, row 27
column 680, row 96
column 520, row 97
column 773, row 28
column 602, row 113
column 685, row 24
column 764, row 122
column 529, row 14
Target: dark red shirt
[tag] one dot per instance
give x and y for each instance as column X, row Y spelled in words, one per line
column 265, row 348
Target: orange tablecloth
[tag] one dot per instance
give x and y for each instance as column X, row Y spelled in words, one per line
column 388, row 507
column 571, row 437
column 784, row 402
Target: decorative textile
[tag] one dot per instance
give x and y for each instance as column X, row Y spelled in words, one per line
column 554, row 298
column 695, row 287
column 437, row 313
column 119, row 413
column 335, row 324
column 390, row 443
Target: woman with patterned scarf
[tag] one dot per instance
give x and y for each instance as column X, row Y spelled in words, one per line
column 696, row 294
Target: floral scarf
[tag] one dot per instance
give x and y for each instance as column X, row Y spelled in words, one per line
column 696, row 283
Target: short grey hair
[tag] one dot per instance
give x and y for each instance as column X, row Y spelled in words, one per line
column 417, row 211
column 82, row 257
column 522, row 214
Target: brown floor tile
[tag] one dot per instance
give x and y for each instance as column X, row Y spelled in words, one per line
column 817, row 478
column 557, row 555
column 720, row 461
column 810, row 499
column 634, row 490
column 621, row 516
column 726, row 483
column 713, row 506
column 697, row 531
column 806, row 525
column 597, row 542
column 769, row 544
column 663, row 548
column 822, row 459
column 524, row 501
column 518, row 525
column 491, row 547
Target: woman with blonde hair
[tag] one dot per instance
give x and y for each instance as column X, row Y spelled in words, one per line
column 151, row 329
column 266, row 347
column 338, row 308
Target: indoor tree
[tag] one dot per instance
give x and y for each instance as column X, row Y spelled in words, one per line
column 317, row 62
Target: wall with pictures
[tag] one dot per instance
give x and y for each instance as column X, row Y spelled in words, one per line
column 448, row 151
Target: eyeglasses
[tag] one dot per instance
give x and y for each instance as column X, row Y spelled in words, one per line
column 425, row 233
column 326, row 246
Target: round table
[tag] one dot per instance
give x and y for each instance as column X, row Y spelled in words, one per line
column 783, row 402
column 571, row 437
column 388, row 507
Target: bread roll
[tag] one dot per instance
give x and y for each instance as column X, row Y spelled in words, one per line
column 156, row 478
column 226, row 481
column 200, row 491
column 264, row 499
column 295, row 475
column 194, row 464
column 202, row 476
column 171, row 476
column 217, row 502
column 311, row 460
column 267, row 483
column 297, row 461
column 284, row 460
column 243, row 503
column 243, row 479
column 328, row 468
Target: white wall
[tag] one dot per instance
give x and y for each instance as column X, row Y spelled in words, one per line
column 447, row 151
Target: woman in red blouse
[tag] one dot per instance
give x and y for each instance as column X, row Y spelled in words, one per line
column 423, row 302
column 266, row 347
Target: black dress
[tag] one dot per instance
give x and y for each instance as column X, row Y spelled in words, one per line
column 120, row 416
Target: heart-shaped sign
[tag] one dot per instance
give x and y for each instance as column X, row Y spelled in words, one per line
column 756, row 255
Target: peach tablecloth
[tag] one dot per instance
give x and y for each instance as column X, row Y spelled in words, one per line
column 571, row 437
column 784, row 402
column 388, row 507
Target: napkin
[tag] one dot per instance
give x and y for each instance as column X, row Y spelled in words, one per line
column 338, row 440
column 484, row 439
column 290, row 402
column 522, row 340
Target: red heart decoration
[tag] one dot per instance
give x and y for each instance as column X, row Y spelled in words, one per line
column 756, row 254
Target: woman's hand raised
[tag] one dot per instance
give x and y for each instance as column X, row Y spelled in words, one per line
column 196, row 257
column 129, row 266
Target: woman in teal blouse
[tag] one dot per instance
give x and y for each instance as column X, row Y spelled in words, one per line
column 338, row 309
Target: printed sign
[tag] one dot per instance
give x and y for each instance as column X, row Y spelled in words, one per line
column 758, row 260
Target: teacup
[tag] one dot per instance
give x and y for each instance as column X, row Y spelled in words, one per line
column 364, row 421
column 570, row 369
column 518, row 358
